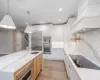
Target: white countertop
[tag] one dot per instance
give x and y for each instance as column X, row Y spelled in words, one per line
column 13, row 62
column 86, row 74
column 89, row 74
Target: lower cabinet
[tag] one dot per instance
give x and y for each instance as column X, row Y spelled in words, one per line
column 57, row 53
column 31, row 70
column 34, row 68
column 37, row 66
column 24, row 73
column 71, row 71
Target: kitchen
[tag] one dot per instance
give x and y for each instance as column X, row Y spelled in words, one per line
column 49, row 40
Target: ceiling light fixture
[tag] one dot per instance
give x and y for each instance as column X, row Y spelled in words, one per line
column 60, row 9
column 28, row 29
column 59, row 20
column 7, row 21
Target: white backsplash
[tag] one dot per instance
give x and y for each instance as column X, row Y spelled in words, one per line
column 90, row 46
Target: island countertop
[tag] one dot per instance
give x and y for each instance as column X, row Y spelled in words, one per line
column 13, row 62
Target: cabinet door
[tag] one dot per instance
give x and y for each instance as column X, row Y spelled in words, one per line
column 41, row 61
column 35, row 68
column 58, row 53
column 19, row 73
column 38, row 65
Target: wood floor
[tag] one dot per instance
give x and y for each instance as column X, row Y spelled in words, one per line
column 53, row 70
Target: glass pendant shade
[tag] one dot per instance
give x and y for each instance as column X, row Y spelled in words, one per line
column 28, row 29
column 7, row 22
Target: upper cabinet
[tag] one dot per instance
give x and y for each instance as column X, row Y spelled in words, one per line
column 88, row 16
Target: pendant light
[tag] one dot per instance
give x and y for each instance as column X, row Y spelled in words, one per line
column 28, row 29
column 7, row 21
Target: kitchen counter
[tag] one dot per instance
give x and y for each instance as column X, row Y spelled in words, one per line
column 84, row 73
column 89, row 74
column 13, row 62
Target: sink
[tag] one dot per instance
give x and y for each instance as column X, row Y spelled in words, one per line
column 34, row 52
column 3, row 55
column 81, row 62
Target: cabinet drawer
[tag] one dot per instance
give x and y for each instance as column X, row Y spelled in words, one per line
column 23, row 70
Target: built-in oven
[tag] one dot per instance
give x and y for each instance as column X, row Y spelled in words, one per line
column 47, row 44
column 26, row 74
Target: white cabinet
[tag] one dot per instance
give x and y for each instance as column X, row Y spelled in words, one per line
column 57, row 53
column 66, row 61
column 57, row 45
column 71, row 71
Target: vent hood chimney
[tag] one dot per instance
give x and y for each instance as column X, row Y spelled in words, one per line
column 88, row 18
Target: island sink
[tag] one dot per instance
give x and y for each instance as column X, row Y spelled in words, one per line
column 34, row 52
column 3, row 55
column 81, row 62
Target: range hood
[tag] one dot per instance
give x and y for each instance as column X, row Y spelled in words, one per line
column 89, row 18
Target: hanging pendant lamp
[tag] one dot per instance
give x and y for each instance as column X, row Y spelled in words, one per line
column 7, row 21
column 28, row 29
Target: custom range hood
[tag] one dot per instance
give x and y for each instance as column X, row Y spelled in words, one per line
column 88, row 19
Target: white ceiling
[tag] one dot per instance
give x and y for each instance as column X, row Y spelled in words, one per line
column 41, row 11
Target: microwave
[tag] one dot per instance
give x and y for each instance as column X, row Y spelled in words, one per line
column 27, row 74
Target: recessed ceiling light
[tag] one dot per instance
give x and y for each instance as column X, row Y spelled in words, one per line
column 60, row 9
column 59, row 20
column 42, row 28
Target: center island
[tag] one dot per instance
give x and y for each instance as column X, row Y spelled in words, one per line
column 23, row 65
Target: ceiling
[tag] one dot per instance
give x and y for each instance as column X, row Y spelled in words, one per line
column 41, row 11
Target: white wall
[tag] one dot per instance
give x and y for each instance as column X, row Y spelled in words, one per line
column 67, row 34
column 6, row 42
column 20, row 42
column 56, row 33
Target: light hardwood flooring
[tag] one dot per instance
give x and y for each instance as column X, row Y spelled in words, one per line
column 53, row 70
